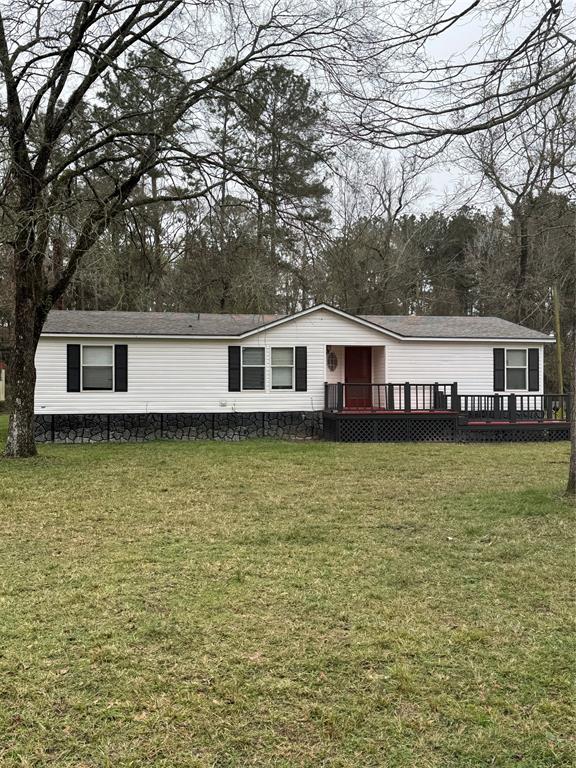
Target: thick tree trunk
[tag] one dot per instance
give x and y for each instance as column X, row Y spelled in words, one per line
column 571, row 488
column 20, row 442
column 30, row 310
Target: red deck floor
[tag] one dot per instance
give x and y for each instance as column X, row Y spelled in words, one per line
column 414, row 412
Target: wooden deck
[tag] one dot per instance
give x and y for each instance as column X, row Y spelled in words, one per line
column 437, row 412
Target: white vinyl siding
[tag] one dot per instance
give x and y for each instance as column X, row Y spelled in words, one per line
column 469, row 364
column 191, row 376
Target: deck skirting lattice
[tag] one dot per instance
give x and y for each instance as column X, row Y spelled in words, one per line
column 397, row 430
column 411, row 427
column 515, row 433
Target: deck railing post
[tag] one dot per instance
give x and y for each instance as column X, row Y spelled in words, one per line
column 455, row 397
column 407, row 398
column 435, row 398
column 548, row 407
column 340, row 398
column 539, row 407
column 568, row 403
column 497, row 407
column 390, row 398
column 512, row 407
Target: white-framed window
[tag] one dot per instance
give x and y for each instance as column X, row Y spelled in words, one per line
column 97, row 367
column 253, row 368
column 282, row 367
column 516, row 369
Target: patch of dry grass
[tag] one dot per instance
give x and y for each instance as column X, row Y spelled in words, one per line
column 277, row 604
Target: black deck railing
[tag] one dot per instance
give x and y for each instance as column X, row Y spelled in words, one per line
column 390, row 397
column 504, row 407
column 437, row 397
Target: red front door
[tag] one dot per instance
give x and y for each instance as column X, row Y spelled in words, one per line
column 358, row 374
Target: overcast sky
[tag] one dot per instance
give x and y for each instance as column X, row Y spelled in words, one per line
column 448, row 184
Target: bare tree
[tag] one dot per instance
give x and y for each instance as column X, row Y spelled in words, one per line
column 445, row 84
column 363, row 261
column 64, row 165
column 523, row 161
column 571, row 486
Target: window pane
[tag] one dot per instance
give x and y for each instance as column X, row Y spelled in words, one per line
column 97, row 377
column 253, row 378
column 516, row 357
column 516, row 378
column 282, row 355
column 253, row 355
column 97, row 355
column 281, row 378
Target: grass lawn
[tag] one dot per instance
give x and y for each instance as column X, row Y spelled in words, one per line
column 286, row 604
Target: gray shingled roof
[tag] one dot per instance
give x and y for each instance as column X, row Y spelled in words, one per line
column 435, row 326
column 71, row 322
column 152, row 323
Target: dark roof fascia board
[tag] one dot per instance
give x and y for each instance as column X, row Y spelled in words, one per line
column 434, row 339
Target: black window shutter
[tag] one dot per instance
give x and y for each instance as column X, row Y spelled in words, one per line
column 73, row 367
column 301, row 369
column 499, row 383
column 121, row 368
column 233, row 369
column 533, row 370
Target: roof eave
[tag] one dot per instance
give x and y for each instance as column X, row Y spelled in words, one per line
column 491, row 340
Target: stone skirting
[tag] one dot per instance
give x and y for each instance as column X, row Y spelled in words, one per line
column 139, row 427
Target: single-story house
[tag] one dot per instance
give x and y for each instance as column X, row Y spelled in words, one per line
column 145, row 374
